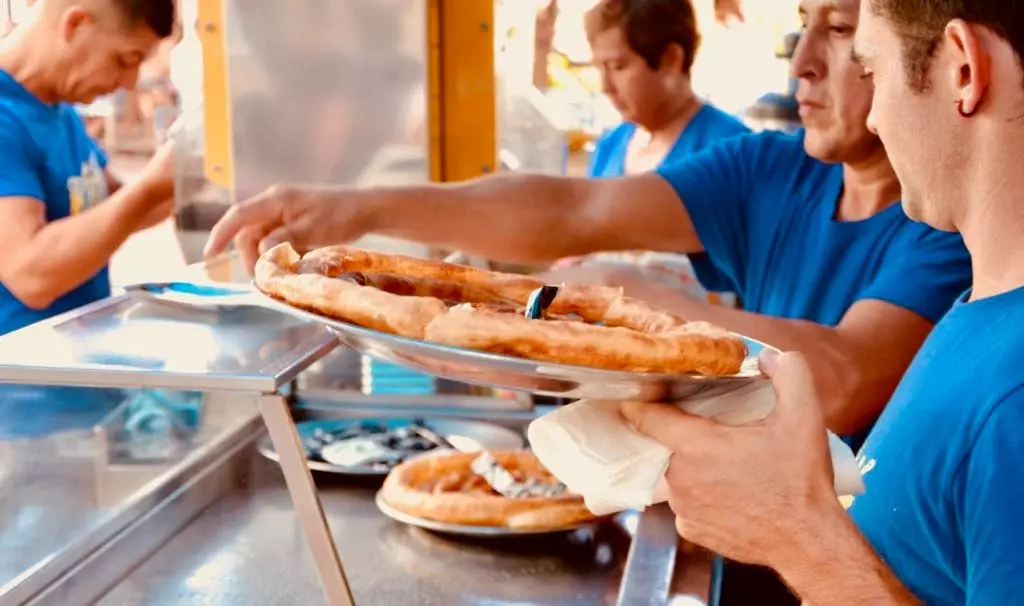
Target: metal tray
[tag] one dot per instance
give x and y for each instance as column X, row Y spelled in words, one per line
column 542, row 378
column 464, row 433
column 470, row 531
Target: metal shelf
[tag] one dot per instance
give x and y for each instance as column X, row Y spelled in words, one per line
column 129, row 343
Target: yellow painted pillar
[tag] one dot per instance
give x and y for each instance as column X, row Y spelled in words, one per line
column 217, row 110
column 463, row 113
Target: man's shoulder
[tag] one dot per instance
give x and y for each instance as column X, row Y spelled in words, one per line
column 615, row 135
column 720, row 123
column 916, row 237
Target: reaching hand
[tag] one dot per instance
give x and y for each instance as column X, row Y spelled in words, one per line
column 304, row 218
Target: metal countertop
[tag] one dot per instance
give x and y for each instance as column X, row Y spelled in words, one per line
column 248, row 549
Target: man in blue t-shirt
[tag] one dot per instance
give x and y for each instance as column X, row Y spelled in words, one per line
column 62, row 214
column 808, row 229
column 644, row 52
column 940, row 521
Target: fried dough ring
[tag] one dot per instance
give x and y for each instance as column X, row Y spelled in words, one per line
column 633, row 335
column 408, row 488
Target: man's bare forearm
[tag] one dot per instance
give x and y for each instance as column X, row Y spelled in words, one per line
column 65, row 253
column 522, row 218
column 850, row 404
column 830, row 562
column 157, row 215
column 510, row 217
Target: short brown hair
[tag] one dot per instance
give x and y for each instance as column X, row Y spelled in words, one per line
column 920, row 25
column 650, row 27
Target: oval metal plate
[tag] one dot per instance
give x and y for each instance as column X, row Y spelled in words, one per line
column 558, row 380
column 487, row 436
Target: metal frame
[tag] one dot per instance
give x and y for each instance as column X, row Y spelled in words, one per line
column 306, row 500
column 650, row 566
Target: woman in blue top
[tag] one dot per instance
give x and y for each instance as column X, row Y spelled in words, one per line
column 644, row 51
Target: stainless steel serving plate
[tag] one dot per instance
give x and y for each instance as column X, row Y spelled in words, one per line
column 472, row 435
column 543, row 378
column 466, row 530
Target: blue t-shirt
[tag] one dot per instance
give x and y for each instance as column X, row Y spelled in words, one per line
column 765, row 210
column 707, row 127
column 944, row 466
column 46, row 154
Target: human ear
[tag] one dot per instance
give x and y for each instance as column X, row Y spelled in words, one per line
column 71, row 22
column 672, row 59
column 972, row 75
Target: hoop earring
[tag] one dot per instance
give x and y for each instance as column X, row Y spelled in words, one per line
column 960, row 109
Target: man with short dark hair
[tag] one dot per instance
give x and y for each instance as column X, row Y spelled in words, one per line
column 62, row 214
column 940, row 522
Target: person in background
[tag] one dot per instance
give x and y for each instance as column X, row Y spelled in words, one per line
column 63, row 214
column 940, row 521
column 644, row 51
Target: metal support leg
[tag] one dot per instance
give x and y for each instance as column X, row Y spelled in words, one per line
column 307, row 502
column 650, row 565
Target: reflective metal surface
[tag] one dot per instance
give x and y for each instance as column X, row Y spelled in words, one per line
column 468, row 433
column 248, row 549
column 560, row 380
column 122, row 342
column 464, row 530
column 652, row 559
column 327, row 92
column 64, row 494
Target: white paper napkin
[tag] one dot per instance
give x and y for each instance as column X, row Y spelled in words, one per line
column 591, row 448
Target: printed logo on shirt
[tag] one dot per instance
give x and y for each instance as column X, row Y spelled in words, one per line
column 865, row 465
column 89, row 188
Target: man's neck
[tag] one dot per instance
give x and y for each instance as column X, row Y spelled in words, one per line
column 993, row 219
column 19, row 59
column 869, row 187
column 674, row 116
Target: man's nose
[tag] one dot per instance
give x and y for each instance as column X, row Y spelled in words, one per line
column 606, row 84
column 807, row 62
column 872, row 127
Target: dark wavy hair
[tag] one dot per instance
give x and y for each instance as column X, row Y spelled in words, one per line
column 651, row 26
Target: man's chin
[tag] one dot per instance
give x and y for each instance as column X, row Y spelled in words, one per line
column 818, row 146
column 89, row 97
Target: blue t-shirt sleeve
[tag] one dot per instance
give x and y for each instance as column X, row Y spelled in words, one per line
column 609, row 153
column 926, row 275
column 990, row 493
column 19, row 176
column 714, row 186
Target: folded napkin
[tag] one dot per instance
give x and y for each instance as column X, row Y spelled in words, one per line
column 592, row 449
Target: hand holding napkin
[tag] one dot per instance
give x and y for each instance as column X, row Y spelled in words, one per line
column 592, row 449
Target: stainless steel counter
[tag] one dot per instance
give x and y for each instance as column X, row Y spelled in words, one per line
column 48, row 492
column 248, row 549
column 80, row 511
